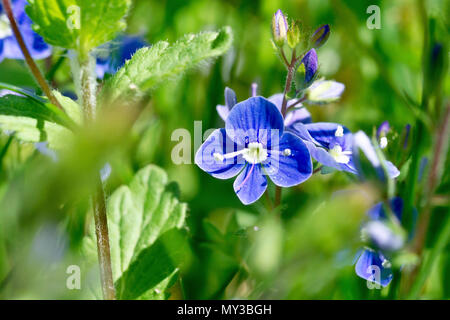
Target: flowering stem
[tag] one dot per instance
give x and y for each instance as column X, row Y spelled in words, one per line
column 287, row 88
column 26, row 53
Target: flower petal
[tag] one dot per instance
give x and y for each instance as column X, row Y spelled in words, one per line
column 289, row 170
column 301, row 115
column 1, row 50
column 326, row 133
column 223, row 111
column 250, row 184
column 370, row 267
column 254, row 120
column 218, row 142
column 230, row 98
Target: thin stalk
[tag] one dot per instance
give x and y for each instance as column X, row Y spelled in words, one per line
column 83, row 68
column 103, row 250
column 26, row 53
column 439, row 152
column 442, row 241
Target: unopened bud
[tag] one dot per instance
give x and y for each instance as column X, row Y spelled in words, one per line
column 293, row 35
column 279, row 28
column 320, row 36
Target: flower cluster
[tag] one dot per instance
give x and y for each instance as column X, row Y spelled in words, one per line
column 9, row 48
column 276, row 136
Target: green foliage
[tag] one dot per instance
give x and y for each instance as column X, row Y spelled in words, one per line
column 34, row 119
column 150, row 67
column 147, row 244
column 78, row 24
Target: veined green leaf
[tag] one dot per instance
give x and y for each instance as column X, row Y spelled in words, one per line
column 78, row 24
column 34, row 120
column 151, row 66
column 145, row 220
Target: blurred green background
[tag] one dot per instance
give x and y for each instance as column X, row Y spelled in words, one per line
column 236, row 251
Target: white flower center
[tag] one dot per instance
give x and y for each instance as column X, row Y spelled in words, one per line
column 5, row 28
column 340, row 156
column 255, row 153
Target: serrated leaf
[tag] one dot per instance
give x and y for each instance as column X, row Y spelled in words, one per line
column 78, row 24
column 145, row 220
column 151, row 66
column 35, row 120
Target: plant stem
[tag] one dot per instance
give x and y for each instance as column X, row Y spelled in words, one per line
column 26, row 53
column 103, row 250
column 439, row 155
column 442, row 241
column 287, row 88
column 83, row 68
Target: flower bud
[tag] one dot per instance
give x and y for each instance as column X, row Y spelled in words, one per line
column 320, row 36
column 324, row 91
column 279, row 28
column 293, row 35
column 311, row 64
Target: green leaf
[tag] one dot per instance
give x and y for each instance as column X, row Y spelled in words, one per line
column 78, row 24
column 34, row 120
column 147, row 244
column 152, row 66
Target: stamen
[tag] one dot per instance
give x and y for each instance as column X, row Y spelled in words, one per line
column 220, row 157
column 383, row 142
column 246, row 178
column 339, row 132
column 254, row 89
column 287, row 152
column 338, row 155
column 5, row 28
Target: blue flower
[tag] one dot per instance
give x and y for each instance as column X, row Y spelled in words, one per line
column 377, row 230
column 374, row 267
column 113, row 55
column 329, row 143
column 382, row 239
column 255, row 145
column 9, row 48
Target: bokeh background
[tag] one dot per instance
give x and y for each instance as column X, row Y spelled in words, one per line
column 305, row 252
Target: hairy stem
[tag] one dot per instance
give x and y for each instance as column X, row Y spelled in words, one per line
column 103, row 250
column 83, row 69
column 26, row 53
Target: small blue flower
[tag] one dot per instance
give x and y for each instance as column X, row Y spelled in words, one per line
column 374, row 267
column 113, row 55
column 383, row 240
column 255, row 145
column 329, row 143
column 9, row 48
